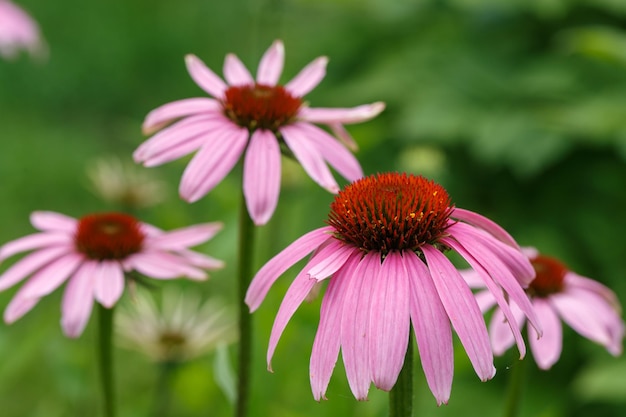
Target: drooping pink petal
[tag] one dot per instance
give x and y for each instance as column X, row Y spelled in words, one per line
column 50, row 221
column 329, row 259
column 204, row 77
column 275, row 267
column 463, row 311
column 355, row 324
column 184, row 237
column 341, row 115
column 297, row 292
column 78, row 300
column 308, row 78
column 432, row 329
column 327, row 339
column 167, row 113
column 19, row 306
column 108, row 283
column 389, row 322
column 485, row 300
column 271, row 65
column 201, row 260
column 547, row 348
column 500, row 329
column 333, row 152
column 261, row 176
column 577, row 281
column 309, row 156
column 29, row 264
column 235, row 72
column 162, row 265
column 48, row 278
column 212, row 162
column 485, row 224
column 344, row 136
column 34, row 241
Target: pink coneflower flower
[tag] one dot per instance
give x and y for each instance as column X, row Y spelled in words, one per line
column 382, row 252
column 18, row 31
column 93, row 254
column 257, row 117
column 587, row 306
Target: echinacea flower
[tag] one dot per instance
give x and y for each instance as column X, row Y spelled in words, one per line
column 18, row 31
column 182, row 327
column 93, row 254
column 382, row 255
column 258, row 117
column 557, row 293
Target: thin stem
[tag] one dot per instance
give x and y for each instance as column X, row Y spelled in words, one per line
column 246, row 244
column 401, row 395
column 515, row 388
column 162, row 395
column 105, row 356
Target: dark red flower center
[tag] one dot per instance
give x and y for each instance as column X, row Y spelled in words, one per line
column 108, row 236
column 550, row 275
column 390, row 211
column 260, row 106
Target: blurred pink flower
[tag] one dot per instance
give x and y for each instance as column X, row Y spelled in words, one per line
column 93, row 254
column 587, row 306
column 259, row 118
column 383, row 253
column 18, row 31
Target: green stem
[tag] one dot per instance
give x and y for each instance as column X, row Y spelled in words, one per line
column 105, row 356
column 162, row 397
column 401, row 395
column 246, row 244
column 517, row 377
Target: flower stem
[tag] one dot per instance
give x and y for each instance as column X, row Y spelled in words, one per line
column 401, row 395
column 515, row 388
column 246, row 244
column 105, row 356
column 162, row 397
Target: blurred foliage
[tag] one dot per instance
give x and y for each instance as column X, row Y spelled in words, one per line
column 517, row 106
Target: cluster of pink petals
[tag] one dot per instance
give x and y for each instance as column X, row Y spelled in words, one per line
column 587, row 306
column 17, row 31
column 220, row 142
column 369, row 305
column 54, row 259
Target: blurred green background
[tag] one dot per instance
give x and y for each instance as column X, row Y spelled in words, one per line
column 518, row 107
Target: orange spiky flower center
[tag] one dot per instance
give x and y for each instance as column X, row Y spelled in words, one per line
column 391, row 211
column 260, row 106
column 550, row 276
column 108, row 236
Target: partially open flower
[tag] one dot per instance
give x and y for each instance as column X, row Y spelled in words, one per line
column 382, row 256
column 94, row 253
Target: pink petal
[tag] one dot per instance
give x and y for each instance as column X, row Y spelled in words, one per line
column 275, row 267
column 19, row 306
column 463, row 311
column 165, row 114
column 577, row 281
column 327, row 339
column 389, row 323
column 261, row 176
column 485, row 300
column 432, row 329
column 333, row 152
column 500, row 329
column 355, row 319
column 78, row 300
column 344, row 136
column 184, row 237
column 236, row 72
column 49, row 221
column 329, row 259
column 212, row 162
column 27, row 265
column 485, row 224
column 308, row 78
column 204, row 77
column 547, row 349
column 201, row 260
column 51, row 276
column 341, row 115
column 179, row 135
column 163, row 265
column 309, row 156
column 297, row 292
column 35, row 241
column 109, row 283
column 271, row 65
